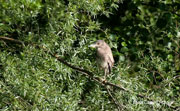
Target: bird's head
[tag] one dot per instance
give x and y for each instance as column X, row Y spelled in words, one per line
column 97, row 44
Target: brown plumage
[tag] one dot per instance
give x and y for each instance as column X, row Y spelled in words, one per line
column 104, row 55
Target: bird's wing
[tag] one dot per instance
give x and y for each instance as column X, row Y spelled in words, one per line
column 110, row 62
column 110, row 57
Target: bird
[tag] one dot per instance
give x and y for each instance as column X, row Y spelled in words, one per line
column 104, row 56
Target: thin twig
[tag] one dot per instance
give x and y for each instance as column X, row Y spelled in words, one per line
column 119, row 106
column 11, row 39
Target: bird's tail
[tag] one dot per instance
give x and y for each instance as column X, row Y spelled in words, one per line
column 109, row 68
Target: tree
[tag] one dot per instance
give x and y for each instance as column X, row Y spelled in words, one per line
column 36, row 35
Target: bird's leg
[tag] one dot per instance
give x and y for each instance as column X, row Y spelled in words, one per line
column 105, row 74
column 104, row 78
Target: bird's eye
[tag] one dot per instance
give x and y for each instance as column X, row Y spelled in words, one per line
column 98, row 43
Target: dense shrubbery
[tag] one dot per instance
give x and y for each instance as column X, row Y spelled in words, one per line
column 144, row 36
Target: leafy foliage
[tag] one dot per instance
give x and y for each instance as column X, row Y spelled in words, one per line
column 144, row 36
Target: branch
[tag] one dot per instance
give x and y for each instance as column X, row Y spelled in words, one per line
column 11, row 40
column 119, row 106
column 89, row 74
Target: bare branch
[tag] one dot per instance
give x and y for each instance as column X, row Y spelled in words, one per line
column 11, row 40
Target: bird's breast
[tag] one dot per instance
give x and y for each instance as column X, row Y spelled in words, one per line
column 102, row 63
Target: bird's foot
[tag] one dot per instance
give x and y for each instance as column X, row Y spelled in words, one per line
column 104, row 80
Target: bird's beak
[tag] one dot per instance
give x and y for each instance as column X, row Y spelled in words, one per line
column 93, row 45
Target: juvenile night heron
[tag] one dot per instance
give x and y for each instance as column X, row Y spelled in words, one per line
column 104, row 56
